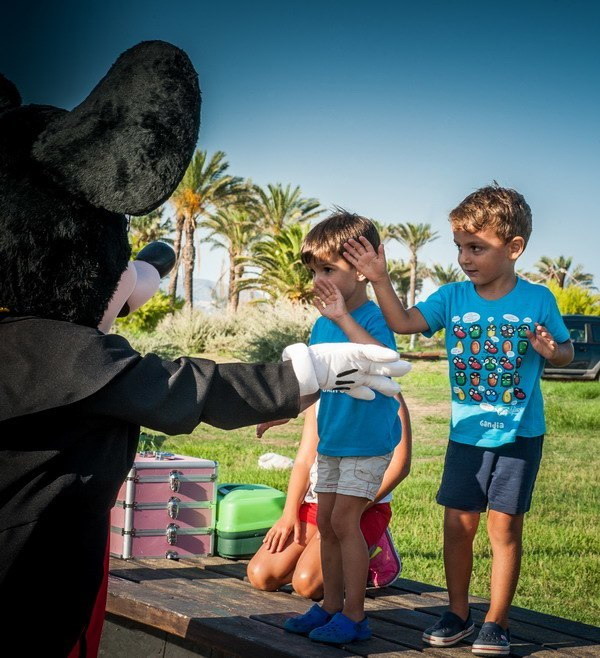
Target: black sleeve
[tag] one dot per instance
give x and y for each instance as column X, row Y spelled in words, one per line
column 175, row 396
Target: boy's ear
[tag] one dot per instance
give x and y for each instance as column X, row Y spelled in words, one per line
column 516, row 247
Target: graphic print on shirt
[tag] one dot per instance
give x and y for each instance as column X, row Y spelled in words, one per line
column 487, row 354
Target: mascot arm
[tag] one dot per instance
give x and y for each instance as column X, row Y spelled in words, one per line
column 175, row 396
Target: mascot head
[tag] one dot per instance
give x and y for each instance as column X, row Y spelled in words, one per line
column 67, row 180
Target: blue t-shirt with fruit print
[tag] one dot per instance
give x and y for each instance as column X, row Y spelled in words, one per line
column 494, row 372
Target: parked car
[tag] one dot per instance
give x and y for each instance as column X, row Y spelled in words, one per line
column 584, row 331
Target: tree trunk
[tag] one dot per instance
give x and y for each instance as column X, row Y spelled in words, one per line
column 412, row 290
column 189, row 256
column 233, row 296
column 177, row 247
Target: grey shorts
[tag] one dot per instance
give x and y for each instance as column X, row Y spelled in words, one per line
column 500, row 479
column 351, row 476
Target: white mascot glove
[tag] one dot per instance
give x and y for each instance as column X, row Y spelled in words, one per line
column 348, row 367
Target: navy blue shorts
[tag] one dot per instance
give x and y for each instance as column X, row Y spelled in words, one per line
column 500, row 479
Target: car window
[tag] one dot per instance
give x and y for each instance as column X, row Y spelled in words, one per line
column 576, row 331
column 596, row 332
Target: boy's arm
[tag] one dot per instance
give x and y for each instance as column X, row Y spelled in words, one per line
column 330, row 303
column 373, row 265
column 542, row 341
column 399, row 467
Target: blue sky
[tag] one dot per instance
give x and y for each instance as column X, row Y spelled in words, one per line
column 395, row 110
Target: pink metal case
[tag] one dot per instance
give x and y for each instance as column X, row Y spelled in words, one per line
column 165, row 508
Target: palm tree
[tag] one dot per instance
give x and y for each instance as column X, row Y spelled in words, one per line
column 559, row 270
column 278, row 207
column 441, row 275
column 233, row 229
column 204, row 188
column 414, row 237
column 386, row 231
column 279, row 271
column 399, row 272
column 149, row 228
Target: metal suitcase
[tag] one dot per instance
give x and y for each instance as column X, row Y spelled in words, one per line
column 165, row 508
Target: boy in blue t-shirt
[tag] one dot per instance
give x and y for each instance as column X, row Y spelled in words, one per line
column 499, row 330
column 353, row 451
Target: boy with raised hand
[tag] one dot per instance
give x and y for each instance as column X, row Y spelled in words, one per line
column 499, row 330
column 356, row 437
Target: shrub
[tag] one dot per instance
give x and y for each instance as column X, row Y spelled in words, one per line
column 255, row 333
column 187, row 331
column 575, row 299
column 147, row 317
column 266, row 329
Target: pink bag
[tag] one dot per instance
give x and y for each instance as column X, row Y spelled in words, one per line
column 385, row 564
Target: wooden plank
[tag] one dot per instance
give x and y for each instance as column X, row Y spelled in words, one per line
column 218, row 626
column 567, row 626
column 415, row 586
column 543, row 620
column 376, row 646
column 142, row 571
column 523, row 633
column 212, row 581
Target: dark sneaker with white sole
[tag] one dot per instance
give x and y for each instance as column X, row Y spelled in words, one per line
column 492, row 640
column 449, row 630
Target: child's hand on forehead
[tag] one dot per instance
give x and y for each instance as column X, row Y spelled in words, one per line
column 329, row 300
column 542, row 342
column 365, row 259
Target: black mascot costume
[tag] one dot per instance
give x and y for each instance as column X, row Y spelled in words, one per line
column 72, row 396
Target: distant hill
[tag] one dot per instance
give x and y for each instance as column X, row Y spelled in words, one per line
column 203, row 289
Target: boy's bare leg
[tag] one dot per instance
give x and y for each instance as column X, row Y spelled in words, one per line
column 460, row 528
column 505, row 532
column 331, row 556
column 355, row 554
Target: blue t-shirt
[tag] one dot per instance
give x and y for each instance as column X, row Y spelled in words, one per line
column 349, row 427
column 494, row 371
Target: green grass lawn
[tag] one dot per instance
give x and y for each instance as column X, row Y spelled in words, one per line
column 561, row 562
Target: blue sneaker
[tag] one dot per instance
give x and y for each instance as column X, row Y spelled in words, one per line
column 304, row 624
column 492, row 640
column 341, row 630
column 449, row 630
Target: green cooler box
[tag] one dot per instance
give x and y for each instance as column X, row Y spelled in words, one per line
column 244, row 514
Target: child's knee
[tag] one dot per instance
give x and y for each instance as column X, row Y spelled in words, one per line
column 505, row 528
column 308, row 584
column 344, row 526
column 261, row 577
column 460, row 523
column 325, row 527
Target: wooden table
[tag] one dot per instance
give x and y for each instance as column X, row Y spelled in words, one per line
column 179, row 609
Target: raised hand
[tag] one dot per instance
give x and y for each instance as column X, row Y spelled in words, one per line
column 543, row 342
column 329, row 300
column 365, row 259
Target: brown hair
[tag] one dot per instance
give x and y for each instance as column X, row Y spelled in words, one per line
column 327, row 238
column 494, row 207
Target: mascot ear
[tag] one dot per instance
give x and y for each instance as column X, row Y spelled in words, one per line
column 127, row 146
column 9, row 96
